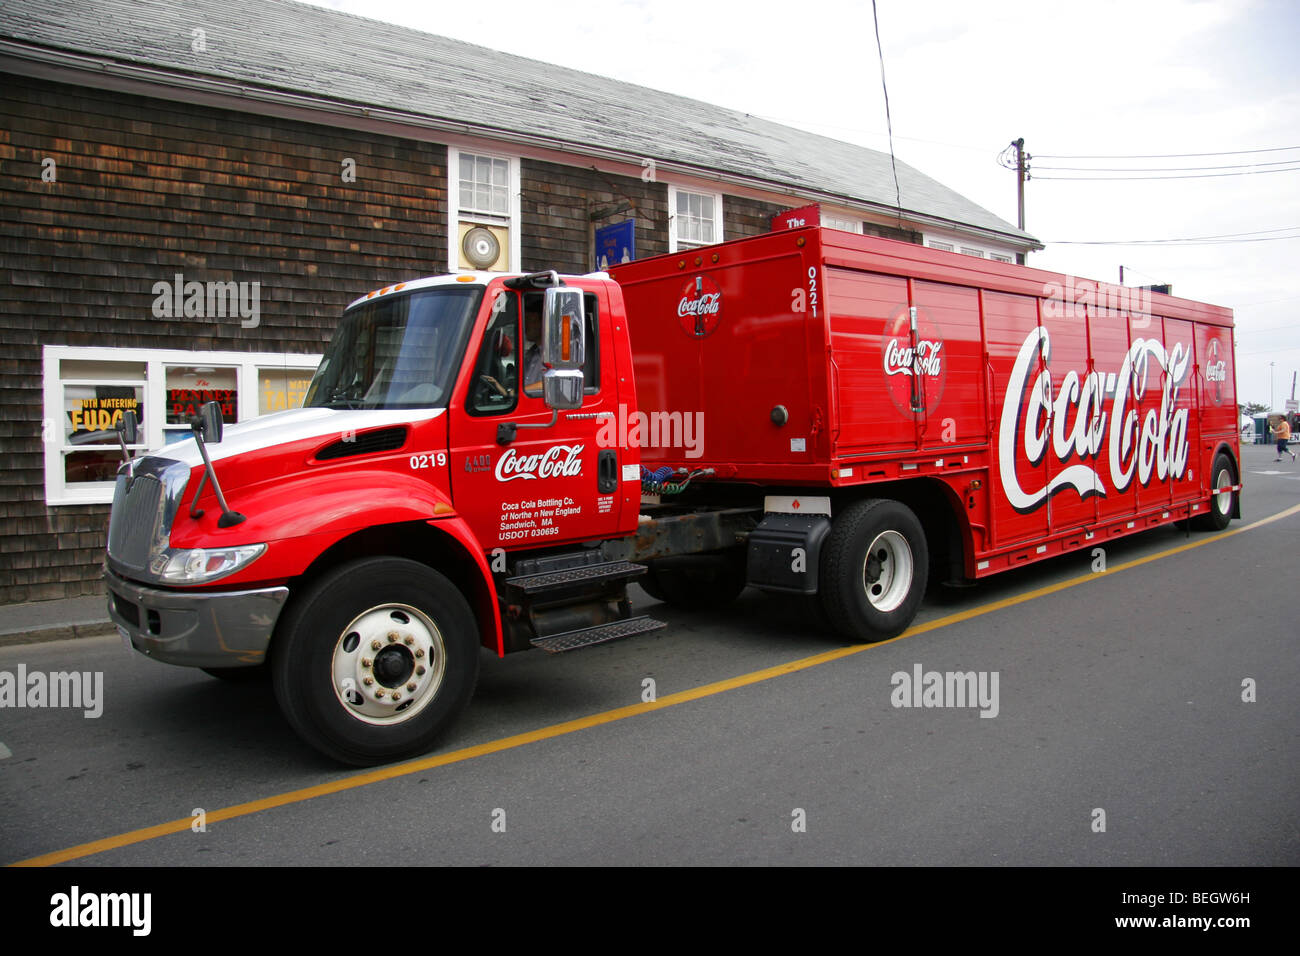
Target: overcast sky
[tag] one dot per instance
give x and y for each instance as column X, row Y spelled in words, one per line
column 1101, row 78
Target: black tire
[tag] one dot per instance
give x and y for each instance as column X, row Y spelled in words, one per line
column 697, row 582
column 239, row 675
column 1221, row 507
column 412, row 628
column 873, row 572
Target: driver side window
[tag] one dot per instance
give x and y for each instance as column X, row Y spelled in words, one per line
column 495, row 388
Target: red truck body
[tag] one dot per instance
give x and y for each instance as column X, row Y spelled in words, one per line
column 809, row 412
column 1049, row 410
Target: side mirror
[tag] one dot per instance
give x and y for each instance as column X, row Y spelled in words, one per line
column 563, row 329
column 209, row 424
column 562, row 388
column 129, row 428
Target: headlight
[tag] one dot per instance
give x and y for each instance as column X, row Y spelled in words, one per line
column 201, row 565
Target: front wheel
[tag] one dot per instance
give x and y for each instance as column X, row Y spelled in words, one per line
column 873, row 570
column 375, row 660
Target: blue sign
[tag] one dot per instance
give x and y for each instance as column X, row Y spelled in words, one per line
column 615, row 244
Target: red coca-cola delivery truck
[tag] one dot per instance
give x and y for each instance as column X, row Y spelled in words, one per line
column 486, row 460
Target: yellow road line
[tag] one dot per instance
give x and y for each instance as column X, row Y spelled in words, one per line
column 366, row 778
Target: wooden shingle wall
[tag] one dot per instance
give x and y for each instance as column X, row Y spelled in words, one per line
column 145, row 189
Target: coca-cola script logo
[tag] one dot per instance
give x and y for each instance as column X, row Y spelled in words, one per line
column 1075, row 422
column 559, row 461
column 1216, row 371
column 914, row 362
column 700, row 307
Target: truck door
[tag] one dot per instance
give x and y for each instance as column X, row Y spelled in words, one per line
column 545, row 485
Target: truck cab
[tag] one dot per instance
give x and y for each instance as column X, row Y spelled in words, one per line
column 443, row 487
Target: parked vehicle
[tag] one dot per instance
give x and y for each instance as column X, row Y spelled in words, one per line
column 832, row 417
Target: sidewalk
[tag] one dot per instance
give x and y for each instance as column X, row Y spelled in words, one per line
column 54, row 620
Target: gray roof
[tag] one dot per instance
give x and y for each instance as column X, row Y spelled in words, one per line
column 338, row 56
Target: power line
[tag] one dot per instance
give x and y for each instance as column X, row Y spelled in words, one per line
column 1171, row 242
column 889, row 123
column 1231, row 152
column 1165, row 169
column 1121, row 179
column 1143, row 242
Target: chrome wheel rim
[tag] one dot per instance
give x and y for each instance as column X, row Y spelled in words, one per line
column 1223, row 500
column 388, row 664
column 887, row 572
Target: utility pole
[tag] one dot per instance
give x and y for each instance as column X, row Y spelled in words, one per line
column 1021, row 175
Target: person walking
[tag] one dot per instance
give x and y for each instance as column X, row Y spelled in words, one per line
column 1282, row 432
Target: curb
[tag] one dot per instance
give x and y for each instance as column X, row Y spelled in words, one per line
column 59, row 632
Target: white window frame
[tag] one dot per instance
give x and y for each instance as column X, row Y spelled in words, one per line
column 955, row 243
column 154, row 385
column 843, row 222
column 454, row 217
column 678, row 245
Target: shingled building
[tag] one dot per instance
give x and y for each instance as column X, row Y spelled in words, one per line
column 191, row 192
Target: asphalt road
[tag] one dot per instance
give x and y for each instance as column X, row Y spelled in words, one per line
column 1120, row 737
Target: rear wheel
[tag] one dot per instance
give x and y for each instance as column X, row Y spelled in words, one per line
column 874, row 569
column 1222, row 504
column 376, row 660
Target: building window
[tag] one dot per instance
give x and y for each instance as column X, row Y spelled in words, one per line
column 190, row 387
column 88, row 390
column 484, row 185
column 483, row 192
column 844, row 225
column 694, row 219
column 92, row 396
column 954, row 244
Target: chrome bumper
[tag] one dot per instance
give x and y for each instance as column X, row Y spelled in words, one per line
column 198, row 628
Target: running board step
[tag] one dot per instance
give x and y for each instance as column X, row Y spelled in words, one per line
column 590, row 573
column 586, row 636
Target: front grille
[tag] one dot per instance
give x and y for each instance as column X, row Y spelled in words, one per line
column 144, row 507
column 133, row 527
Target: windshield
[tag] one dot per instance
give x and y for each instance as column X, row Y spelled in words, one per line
column 396, row 351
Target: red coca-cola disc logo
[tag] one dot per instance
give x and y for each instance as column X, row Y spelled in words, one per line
column 1216, row 372
column 915, row 364
column 700, row 307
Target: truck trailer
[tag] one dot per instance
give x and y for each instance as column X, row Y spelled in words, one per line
column 488, row 461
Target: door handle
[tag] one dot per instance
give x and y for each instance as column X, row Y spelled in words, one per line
column 607, row 471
